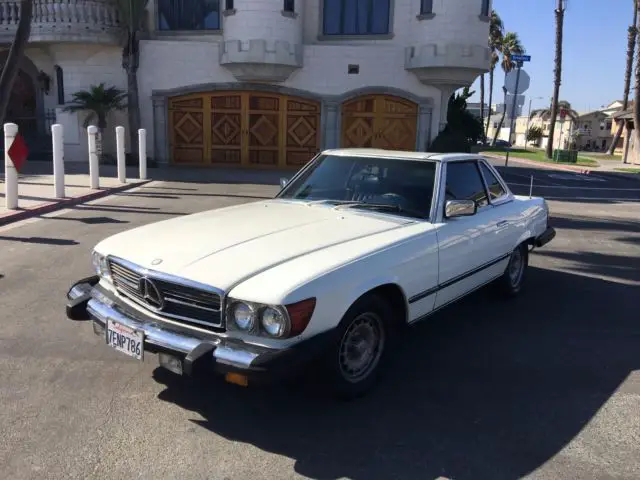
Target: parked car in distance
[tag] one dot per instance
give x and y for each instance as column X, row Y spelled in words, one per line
column 359, row 243
column 503, row 143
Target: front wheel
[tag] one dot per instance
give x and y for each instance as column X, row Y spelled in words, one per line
column 354, row 362
column 512, row 279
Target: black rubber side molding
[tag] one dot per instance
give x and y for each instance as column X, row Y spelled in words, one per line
column 77, row 307
column 199, row 357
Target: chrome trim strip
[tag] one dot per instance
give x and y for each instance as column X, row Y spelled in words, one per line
column 78, row 291
column 223, row 353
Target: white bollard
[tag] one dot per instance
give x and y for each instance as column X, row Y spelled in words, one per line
column 57, row 136
column 10, row 172
column 142, row 153
column 121, row 159
column 94, row 174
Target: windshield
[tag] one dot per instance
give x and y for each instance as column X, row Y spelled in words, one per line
column 406, row 186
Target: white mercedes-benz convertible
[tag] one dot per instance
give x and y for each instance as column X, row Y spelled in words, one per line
column 357, row 244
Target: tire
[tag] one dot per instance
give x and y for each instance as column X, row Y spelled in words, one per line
column 512, row 280
column 364, row 340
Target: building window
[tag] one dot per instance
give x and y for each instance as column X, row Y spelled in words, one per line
column 289, row 6
column 356, row 17
column 426, row 7
column 228, row 5
column 189, row 14
column 59, row 84
column 485, row 8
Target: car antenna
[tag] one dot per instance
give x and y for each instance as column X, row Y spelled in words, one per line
column 531, row 187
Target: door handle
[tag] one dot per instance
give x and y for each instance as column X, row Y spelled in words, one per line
column 502, row 223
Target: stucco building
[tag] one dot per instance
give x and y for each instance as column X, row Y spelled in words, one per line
column 256, row 82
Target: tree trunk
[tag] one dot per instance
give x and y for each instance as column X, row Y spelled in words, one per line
column 486, row 130
column 482, row 99
column 557, row 78
column 636, row 95
column 504, row 113
column 130, row 64
column 10, row 69
column 631, row 47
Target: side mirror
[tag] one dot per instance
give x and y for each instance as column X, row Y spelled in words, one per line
column 283, row 182
column 460, row 208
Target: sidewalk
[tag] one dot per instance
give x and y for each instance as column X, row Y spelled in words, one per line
column 36, row 190
column 605, row 166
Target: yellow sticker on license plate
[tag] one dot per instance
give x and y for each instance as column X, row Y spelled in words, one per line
column 125, row 339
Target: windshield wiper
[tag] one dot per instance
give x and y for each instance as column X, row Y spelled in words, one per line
column 386, row 207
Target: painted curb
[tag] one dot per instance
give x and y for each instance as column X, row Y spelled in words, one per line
column 67, row 202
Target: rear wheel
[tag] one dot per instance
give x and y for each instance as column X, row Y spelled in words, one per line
column 354, row 363
column 513, row 278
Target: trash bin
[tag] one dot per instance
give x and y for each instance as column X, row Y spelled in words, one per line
column 565, row 156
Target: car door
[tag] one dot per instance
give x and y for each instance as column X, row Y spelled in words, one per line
column 504, row 211
column 467, row 250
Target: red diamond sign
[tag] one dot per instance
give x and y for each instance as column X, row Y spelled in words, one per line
column 18, row 152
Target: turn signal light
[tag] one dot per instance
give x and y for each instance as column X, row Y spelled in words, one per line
column 237, row 379
column 300, row 315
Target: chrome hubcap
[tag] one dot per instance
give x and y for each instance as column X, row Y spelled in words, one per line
column 361, row 347
column 516, row 267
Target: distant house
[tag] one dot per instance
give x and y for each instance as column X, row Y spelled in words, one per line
column 594, row 131
column 627, row 145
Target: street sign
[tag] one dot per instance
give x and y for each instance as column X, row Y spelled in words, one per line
column 512, row 79
column 521, row 58
column 18, row 152
column 563, row 113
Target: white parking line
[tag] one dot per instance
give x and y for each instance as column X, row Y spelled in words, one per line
column 574, row 187
column 600, row 199
column 528, row 177
column 56, row 213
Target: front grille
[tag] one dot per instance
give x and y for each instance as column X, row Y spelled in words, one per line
column 187, row 304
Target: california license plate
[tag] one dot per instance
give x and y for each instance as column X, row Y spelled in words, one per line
column 125, row 339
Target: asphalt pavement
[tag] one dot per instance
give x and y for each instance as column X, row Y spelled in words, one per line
column 545, row 386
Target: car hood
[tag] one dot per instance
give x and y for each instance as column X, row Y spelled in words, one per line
column 223, row 247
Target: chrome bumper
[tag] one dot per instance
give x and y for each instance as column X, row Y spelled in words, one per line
column 100, row 308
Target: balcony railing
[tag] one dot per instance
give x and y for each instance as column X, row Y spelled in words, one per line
column 82, row 21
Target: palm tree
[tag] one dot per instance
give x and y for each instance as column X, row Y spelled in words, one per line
column 557, row 75
column 100, row 102
column 510, row 45
column 10, row 70
column 496, row 35
column 631, row 47
column 132, row 19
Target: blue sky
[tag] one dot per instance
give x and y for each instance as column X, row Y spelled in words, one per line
column 594, row 53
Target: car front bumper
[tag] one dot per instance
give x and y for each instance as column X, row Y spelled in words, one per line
column 197, row 354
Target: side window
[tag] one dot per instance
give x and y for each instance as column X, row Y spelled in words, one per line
column 495, row 189
column 464, row 183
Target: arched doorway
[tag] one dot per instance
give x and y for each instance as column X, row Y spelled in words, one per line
column 23, row 108
column 379, row 121
column 243, row 128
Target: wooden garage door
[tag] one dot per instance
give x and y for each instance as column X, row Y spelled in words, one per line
column 380, row 121
column 244, row 129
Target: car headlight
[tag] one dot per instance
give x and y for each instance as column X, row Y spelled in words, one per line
column 243, row 316
column 100, row 265
column 273, row 321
